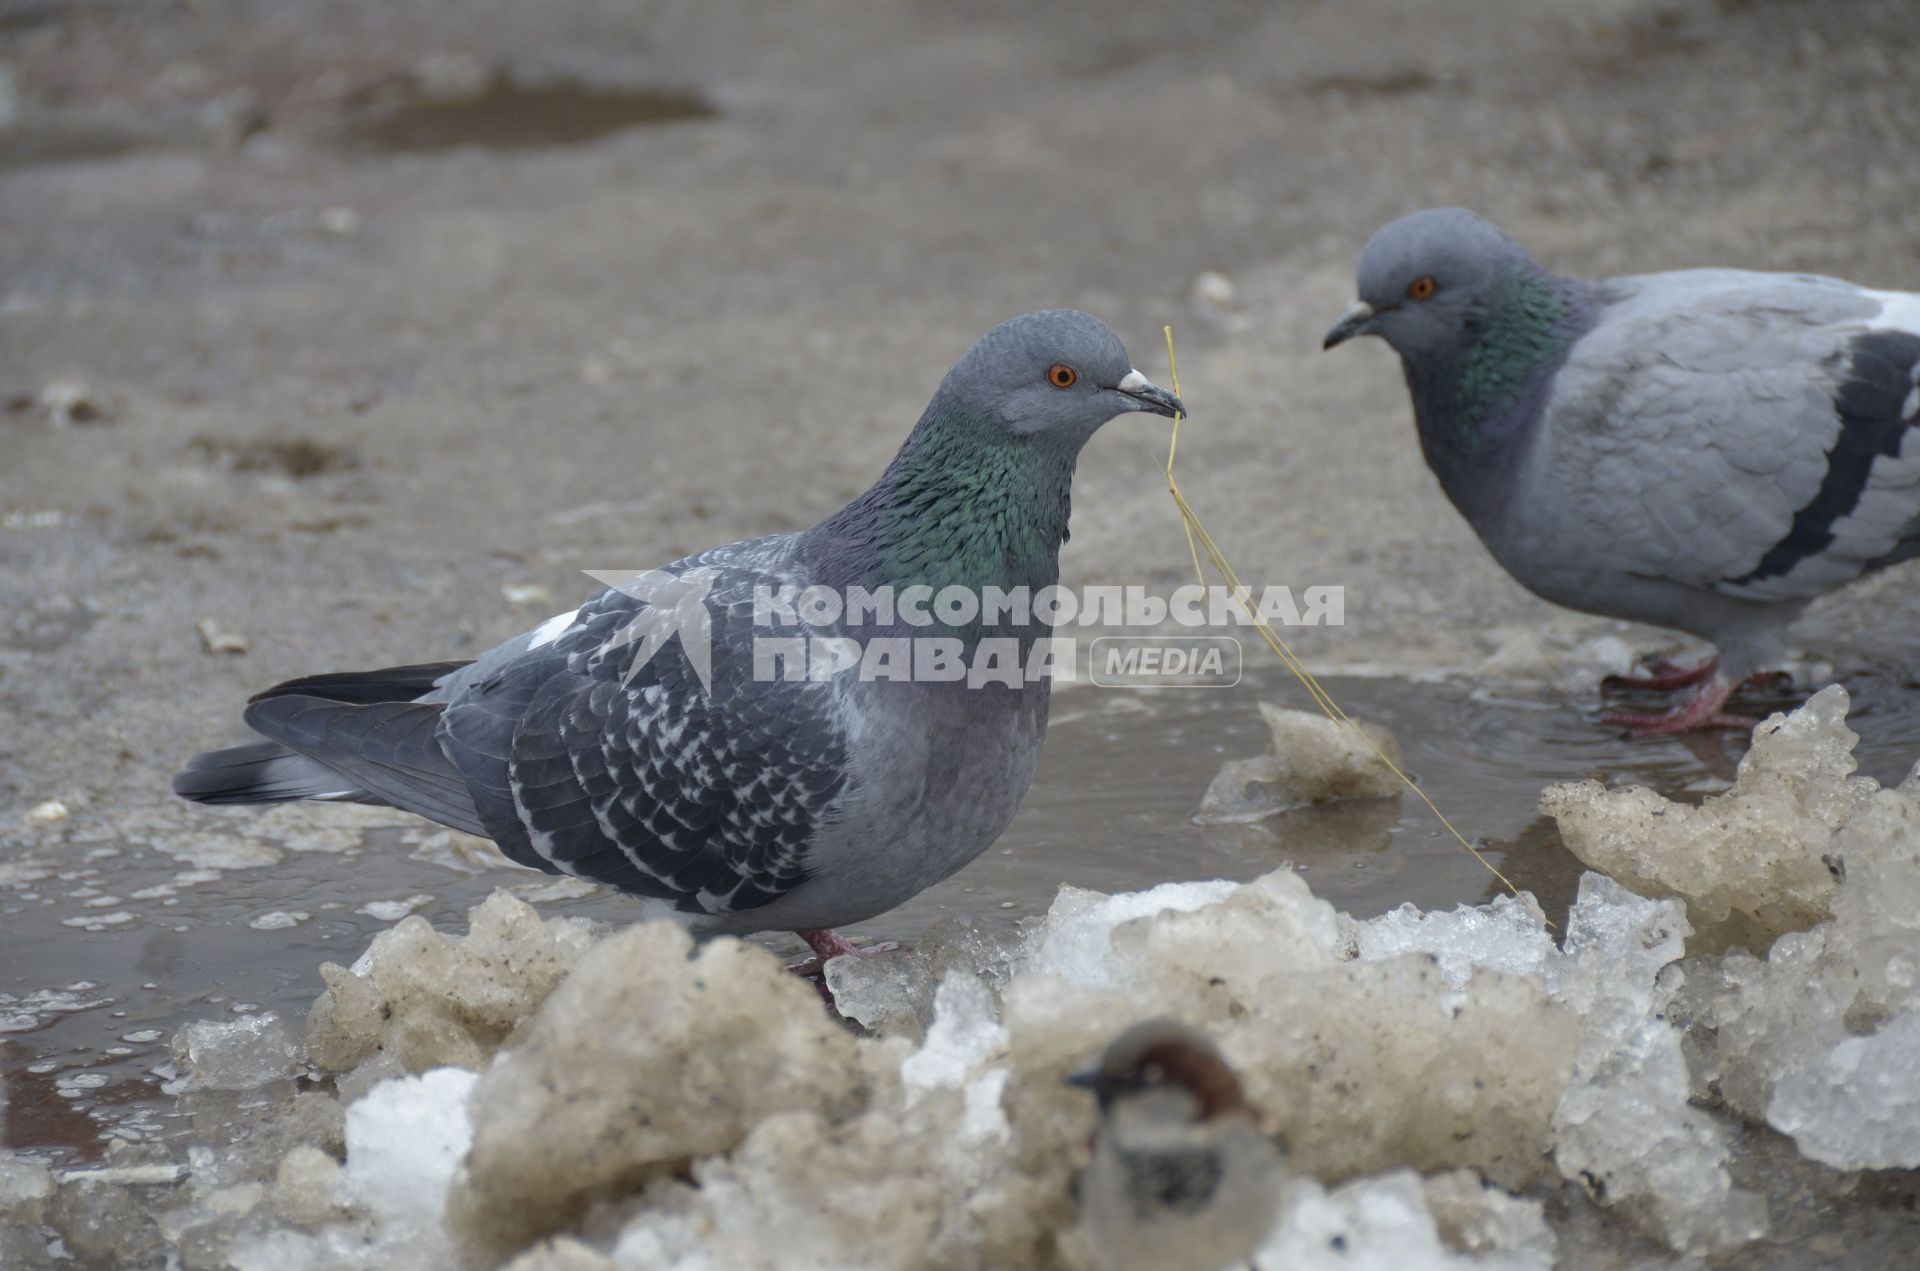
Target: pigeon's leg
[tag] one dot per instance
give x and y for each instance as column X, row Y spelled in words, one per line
column 1667, row 675
column 828, row 945
column 1702, row 710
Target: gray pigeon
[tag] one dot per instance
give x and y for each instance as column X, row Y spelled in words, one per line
column 648, row 740
column 1707, row 450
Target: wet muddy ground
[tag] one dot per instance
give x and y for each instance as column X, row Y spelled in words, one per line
column 142, row 946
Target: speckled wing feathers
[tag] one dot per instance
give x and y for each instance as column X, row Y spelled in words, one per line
column 705, row 800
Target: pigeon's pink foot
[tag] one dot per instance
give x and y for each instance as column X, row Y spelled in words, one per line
column 1666, row 675
column 1703, row 710
column 828, row 945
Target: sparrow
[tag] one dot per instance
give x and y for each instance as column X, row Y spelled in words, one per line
column 1182, row 1177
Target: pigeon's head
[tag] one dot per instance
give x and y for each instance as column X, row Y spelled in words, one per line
column 1167, row 1063
column 1423, row 277
column 1057, row 374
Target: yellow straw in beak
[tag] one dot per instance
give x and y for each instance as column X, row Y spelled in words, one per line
column 1198, row 538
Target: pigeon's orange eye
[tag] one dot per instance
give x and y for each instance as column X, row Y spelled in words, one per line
column 1422, row 288
column 1060, row 375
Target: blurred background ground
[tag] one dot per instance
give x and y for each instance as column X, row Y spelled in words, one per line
column 378, row 322
column 348, row 332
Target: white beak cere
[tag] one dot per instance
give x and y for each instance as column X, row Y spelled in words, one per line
column 1357, row 312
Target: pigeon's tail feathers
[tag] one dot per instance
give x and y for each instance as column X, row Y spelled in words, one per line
column 364, row 688
column 389, row 750
column 263, row 772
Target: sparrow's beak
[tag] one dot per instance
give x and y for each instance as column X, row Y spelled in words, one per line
column 1149, row 396
column 1086, row 1078
column 1353, row 322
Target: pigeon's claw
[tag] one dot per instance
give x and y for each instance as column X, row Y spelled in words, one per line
column 828, row 945
column 1666, row 675
column 1703, row 710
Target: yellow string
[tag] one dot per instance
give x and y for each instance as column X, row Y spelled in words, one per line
column 1198, row 537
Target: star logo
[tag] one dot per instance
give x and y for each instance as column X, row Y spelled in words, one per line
column 671, row 605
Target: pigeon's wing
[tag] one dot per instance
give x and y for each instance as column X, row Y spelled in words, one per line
column 595, row 755
column 1750, row 434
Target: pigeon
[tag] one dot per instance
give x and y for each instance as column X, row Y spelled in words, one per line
column 1707, row 450
column 653, row 739
column 1182, row 1178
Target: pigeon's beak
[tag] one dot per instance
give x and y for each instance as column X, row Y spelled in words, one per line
column 1149, row 396
column 1353, row 322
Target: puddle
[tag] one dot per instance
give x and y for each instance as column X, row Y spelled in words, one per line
column 94, row 978
column 297, row 457
column 44, row 624
column 403, row 116
column 66, row 143
column 1398, row 82
column 1123, row 771
column 508, row 115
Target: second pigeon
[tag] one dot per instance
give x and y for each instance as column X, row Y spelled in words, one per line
column 1707, row 450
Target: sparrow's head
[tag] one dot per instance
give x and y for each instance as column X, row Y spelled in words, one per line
column 1159, row 1057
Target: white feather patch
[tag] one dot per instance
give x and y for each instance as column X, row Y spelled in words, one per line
column 1899, row 311
column 552, row 629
